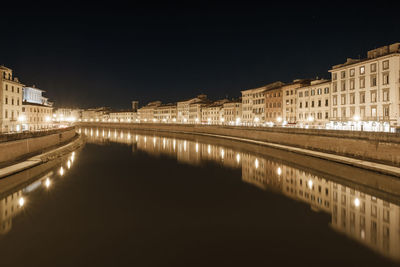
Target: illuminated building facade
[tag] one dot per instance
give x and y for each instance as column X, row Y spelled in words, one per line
column 289, row 99
column 10, row 101
column 314, row 104
column 273, row 106
column 183, row 108
column 166, row 113
column 232, row 111
column 146, row 113
column 365, row 92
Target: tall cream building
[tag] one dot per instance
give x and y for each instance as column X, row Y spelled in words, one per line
column 313, row 104
column 232, row 112
column 289, row 100
column 165, row 113
column 146, row 113
column 183, row 108
column 10, row 101
column 365, row 92
column 253, row 104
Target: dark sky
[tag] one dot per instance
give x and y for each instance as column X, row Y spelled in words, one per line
column 109, row 54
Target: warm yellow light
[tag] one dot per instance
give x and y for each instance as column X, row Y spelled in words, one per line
column 279, row 119
column 47, row 183
column 356, row 202
column 61, row 171
column 69, row 164
column 197, row 147
column 256, row 119
column 209, row 149
column 21, row 201
column 310, row 184
column 310, row 118
column 237, row 157
column 22, row 118
column 256, row 163
column 222, row 153
column 47, row 119
column 279, row 171
column 356, row 118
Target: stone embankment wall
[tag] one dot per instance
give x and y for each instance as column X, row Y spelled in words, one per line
column 16, row 146
column 371, row 146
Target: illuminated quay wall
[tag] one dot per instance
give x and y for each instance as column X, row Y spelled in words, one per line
column 361, row 216
column 16, row 146
column 372, row 146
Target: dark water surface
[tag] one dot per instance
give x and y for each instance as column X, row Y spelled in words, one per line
column 140, row 199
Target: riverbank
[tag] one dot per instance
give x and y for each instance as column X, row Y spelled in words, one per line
column 378, row 152
column 20, row 146
column 77, row 142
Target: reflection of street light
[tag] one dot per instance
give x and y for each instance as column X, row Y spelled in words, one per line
column 356, row 202
column 256, row 163
column 279, row 171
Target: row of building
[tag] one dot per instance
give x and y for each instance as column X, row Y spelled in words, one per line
column 362, row 94
column 22, row 108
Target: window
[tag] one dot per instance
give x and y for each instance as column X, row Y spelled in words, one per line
column 343, row 100
column 352, row 99
column 312, row 104
column 326, row 90
column 326, row 102
column 352, row 82
column 385, row 64
column 362, row 82
column 301, row 104
column 306, row 93
column 6, row 100
column 373, row 111
column 352, row 71
column 385, row 78
column 343, row 74
column 334, row 76
column 343, row 85
column 319, row 103
column 373, row 67
column 313, row 92
column 334, row 99
column 334, row 87
column 362, row 70
column 362, row 98
column 385, row 93
column 300, row 94
column 373, row 80
column 373, row 96
column 319, row 91
column 326, row 117
column 386, row 111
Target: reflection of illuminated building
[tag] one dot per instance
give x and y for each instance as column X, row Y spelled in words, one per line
column 9, row 207
column 369, row 220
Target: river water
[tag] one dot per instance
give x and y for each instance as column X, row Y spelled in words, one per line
column 145, row 199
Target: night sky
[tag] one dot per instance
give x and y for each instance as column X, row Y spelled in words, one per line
column 109, row 54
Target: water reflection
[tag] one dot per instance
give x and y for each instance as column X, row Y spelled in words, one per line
column 13, row 201
column 363, row 217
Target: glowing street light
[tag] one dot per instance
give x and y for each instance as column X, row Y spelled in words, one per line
column 279, row 119
column 356, row 118
column 22, row 118
column 310, row 118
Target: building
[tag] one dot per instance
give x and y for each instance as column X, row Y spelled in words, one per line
column 214, row 112
column 183, row 108
column 273, row 106
column 146, row 113
column 95, row 114
column 313, row 106
column 289, row 100
column 253, row 104
column 365, row 92
column 135, row 106
column 37, row 111
column 11, row 101
column 67, row 114
column 196, row 111
column 124, row 116
column 232, row 111
column 166, row 113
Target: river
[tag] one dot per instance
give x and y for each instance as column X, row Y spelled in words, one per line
column 157, row 199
